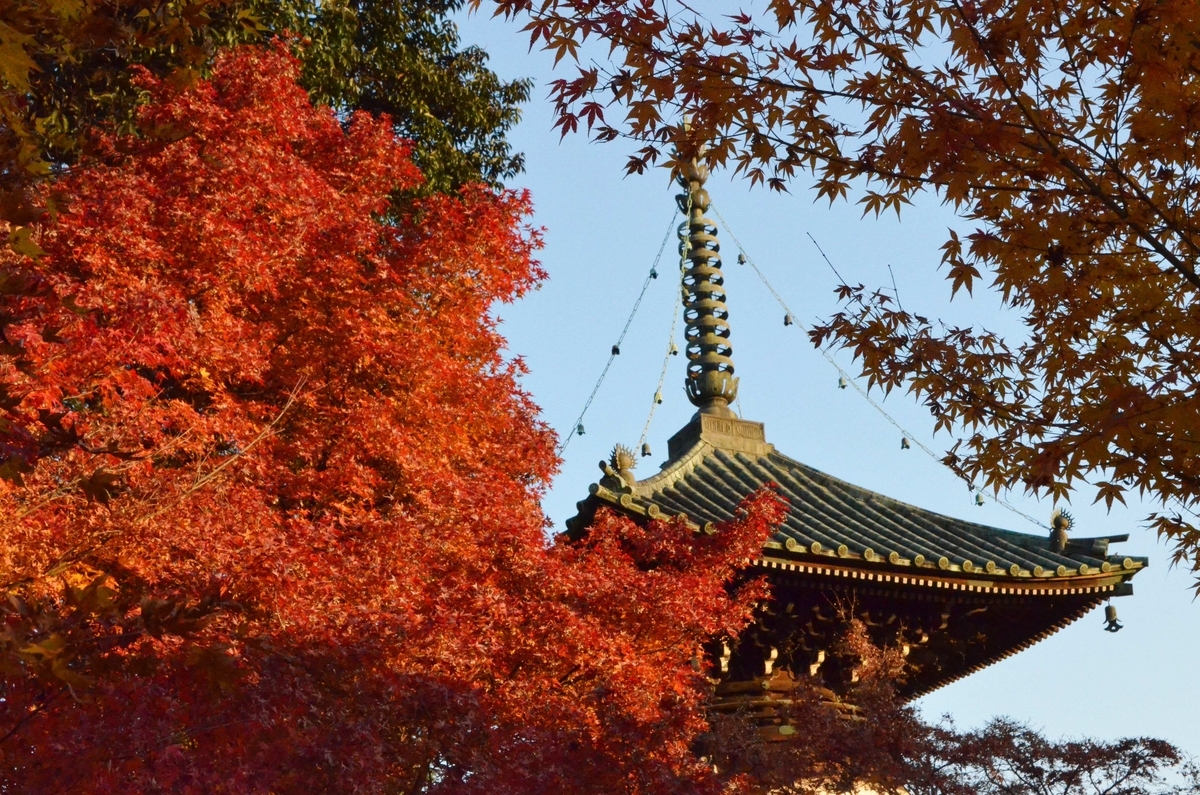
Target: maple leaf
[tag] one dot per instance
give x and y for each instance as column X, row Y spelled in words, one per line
column 20, row 241
column 15, row 62
column 101, row 486
column 216, row 664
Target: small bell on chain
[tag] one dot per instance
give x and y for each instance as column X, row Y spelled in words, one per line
column 616, row 350
column 842, row 384
column 1110, row 619
column 645, row 450
column 673, row 350
column 904, row 445
column 658, row 397
column 787, row 320
column 741, row 258
column 979, row 499
column 653, row 273
column 579, row 429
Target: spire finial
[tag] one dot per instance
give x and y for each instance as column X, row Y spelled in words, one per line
column 710, row 383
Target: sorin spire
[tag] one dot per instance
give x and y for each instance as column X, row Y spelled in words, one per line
column 710, row 383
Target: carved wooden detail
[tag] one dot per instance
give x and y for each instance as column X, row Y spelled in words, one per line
column 943, row 636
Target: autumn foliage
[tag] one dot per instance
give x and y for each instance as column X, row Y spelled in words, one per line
column 270, row 487
column 1065, row 135
column 269, row 514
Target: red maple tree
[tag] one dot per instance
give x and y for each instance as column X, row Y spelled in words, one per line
column 270, row 486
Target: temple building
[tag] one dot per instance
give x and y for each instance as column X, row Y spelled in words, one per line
column 953, row 595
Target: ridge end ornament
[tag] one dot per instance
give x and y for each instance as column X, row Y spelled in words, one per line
column 618, row 469
column 1061, row 523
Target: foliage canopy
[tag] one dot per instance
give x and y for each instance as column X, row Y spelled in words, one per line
column 64, row 66
column 66, row 71
column 403, row 59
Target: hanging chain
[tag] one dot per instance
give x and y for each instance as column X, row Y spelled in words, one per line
column 846, row 378
column 672, row 350
column 576, row 428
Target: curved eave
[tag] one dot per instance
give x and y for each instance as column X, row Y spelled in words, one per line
column 1084, row 592
column 1104, row 584
column 1062, row 623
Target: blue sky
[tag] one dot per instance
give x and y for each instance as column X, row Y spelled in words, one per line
column 602, row 232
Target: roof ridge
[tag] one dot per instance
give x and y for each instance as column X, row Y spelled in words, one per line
column 674, row 469
column 706, row 480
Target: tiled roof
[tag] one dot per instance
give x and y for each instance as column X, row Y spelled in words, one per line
column 715, row 462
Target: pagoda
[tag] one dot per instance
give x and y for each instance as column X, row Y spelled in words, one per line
column 954, row 596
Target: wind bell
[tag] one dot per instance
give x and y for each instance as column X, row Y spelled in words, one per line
column 979, row 498
column 787, row 320
column 904, row 445
column 658, row 397
column 842, row 382
column 1110, row 619
column 616, row 350
column 579, row 429
column 645, row 449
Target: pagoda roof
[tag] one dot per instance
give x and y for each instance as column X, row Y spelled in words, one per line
column 953, row 595
column 716, row 461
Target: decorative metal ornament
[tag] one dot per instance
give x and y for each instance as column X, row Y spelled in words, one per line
column 622, row 458
column 658, row 397
column 904, row 445
column 787, row 320
column 711, row 385
column 579, row 429
column 646, row 450
column 979, row 498
column 616, row 350
column 842, row 384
